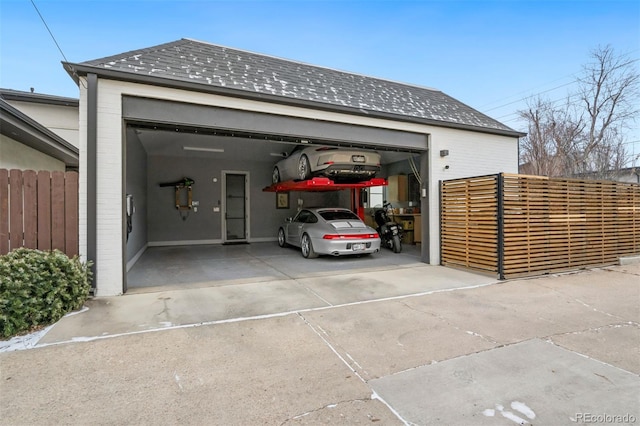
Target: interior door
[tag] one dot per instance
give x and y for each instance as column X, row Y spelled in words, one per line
column 236, row 212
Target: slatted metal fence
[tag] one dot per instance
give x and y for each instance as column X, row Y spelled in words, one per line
column 39, row 210
column 516, row 225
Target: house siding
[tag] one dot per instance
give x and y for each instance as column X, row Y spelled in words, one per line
column 15, row 155
column 472, row 153
column 61, row 120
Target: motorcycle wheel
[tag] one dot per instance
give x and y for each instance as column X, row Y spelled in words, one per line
column 397, row 245
column 389, row 243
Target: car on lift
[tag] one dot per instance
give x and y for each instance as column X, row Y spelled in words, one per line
column 331, row 231
column 336, row 163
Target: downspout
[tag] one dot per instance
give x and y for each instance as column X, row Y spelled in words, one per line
column 425, row 203
column 92, row 178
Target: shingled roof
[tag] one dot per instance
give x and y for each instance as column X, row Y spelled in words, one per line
column 253, row 75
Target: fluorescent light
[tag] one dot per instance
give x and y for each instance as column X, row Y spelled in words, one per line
column 197, row 148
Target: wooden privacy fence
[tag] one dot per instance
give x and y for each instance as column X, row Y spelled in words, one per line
column 516, row 225
column 39, row 210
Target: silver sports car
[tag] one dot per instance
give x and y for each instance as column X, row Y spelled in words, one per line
column 334, row 231
column 340, row 164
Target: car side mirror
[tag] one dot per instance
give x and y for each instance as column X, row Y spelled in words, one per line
column 289, row 220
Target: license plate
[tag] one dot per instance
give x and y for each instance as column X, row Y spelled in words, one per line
column 358, row 158
column 358, row 247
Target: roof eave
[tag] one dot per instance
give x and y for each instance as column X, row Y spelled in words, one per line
column 16, row 95
column 20, row 127
column 76, row 70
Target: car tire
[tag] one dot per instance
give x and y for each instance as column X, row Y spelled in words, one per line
column 304, row 168
column 307, row 247
column 282, row 240
column 275, row 176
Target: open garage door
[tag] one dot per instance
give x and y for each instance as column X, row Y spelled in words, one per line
column 168, row 141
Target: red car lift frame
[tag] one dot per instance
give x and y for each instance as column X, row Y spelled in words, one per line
column 320, row 184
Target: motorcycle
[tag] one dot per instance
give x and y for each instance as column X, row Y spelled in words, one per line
column 390, row 232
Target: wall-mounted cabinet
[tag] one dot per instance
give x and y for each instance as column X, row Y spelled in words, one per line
column 398, row 189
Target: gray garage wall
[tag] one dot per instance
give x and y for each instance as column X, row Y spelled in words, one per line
column 165, row 224
column 136, row 184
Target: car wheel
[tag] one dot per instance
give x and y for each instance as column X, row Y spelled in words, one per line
column 304, row 168
column 307, row 247
column 282, row 241
column 275, row 177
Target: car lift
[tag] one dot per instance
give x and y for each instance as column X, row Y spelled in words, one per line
column 320, row 184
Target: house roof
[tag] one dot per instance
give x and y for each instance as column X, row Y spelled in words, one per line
column 208, row 67
column 20, row 127
column 40, row 98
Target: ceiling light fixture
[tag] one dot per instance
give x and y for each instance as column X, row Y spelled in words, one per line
column 197, row 148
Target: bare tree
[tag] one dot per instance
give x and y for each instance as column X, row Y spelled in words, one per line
column 553, row 134
column 586, row 137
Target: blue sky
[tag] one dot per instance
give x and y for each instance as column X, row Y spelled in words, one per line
column 490, row 55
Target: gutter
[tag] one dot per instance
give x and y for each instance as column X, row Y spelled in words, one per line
column 19, row 126
column 39, row 98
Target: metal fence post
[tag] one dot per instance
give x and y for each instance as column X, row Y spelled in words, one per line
column 500, row 217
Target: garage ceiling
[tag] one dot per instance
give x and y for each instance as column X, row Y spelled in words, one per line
column 180, row 143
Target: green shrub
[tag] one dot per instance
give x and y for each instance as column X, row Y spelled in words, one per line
column 37, row 288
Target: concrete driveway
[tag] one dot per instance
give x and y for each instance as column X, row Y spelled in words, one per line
column 407, row 345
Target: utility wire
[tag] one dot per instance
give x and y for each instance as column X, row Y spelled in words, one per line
column 530, row 96
column 50, row 33
column 548, row 90
column 55, row 41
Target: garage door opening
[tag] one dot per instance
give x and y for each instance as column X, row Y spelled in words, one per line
column 229, row 169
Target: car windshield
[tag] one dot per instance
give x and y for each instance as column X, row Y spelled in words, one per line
column 338, row 215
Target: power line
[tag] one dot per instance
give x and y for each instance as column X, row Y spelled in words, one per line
column 50, row 33
column 531, row 96
column 526, row 91
column 546, row 91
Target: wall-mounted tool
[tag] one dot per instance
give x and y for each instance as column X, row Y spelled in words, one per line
column 183, row 184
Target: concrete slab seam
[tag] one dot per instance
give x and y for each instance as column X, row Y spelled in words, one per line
column 624, row 272
column 332, row 405
column 602, row 327
column 374, row 395
column 271, row 266
column 313, row 293
column 586, row 305
column 257, row 317
column 330, row 346
column 548, row 340
column 444, row 320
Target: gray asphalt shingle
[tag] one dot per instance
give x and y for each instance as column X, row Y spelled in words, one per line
column 218, row 66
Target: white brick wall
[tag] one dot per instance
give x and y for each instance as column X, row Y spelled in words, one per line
column 471, row 154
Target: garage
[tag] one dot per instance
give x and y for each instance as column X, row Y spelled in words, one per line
column 188, row 235
column 218, row 119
